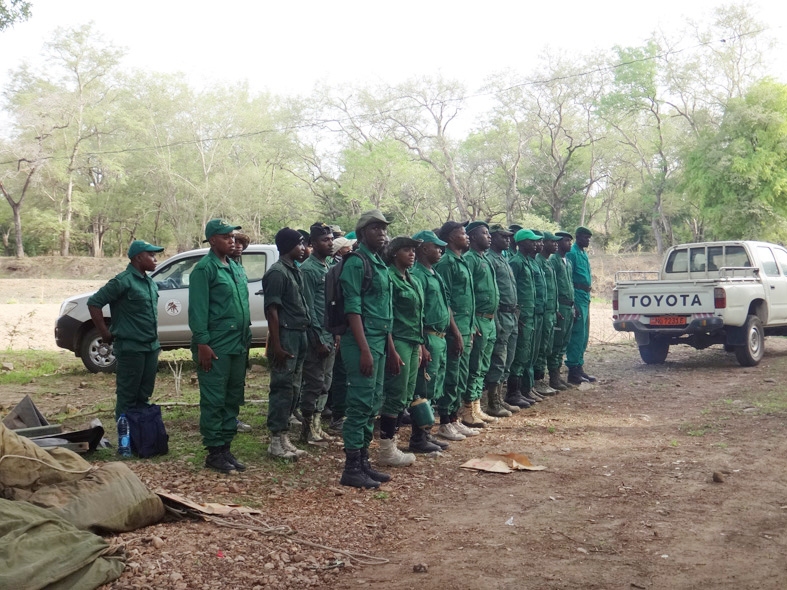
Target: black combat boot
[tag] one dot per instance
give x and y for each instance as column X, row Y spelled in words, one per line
column 585, row 376
column 575, row 376
column 353, row 474
column 554, row 380
column 217, row 461
column 420, row 444
column 514, row 395
column 373, row 474
column 231, row 458
column 436, row 441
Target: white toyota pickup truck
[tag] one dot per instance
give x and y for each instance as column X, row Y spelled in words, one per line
column 731, row 293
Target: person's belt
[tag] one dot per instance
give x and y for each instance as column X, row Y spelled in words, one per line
column 508, row 308
column 433, row 333
column 585, row 288
column 489, row 316
column 565, row 301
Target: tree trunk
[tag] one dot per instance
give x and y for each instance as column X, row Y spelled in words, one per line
column 65, row 242
column 656, row 225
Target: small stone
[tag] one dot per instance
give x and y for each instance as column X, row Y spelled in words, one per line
column 421, row 568
column 7, row 366
column 749, row 410
column 233, row 489
column 157, row 542
column 584, row 386
column 582, row 550
column 175, row 577
column 82, row 384
column 718, row 476
column 270, row 565
column 769, row 380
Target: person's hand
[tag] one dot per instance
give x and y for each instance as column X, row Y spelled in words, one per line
column 205, row 356
column 576, row 313
column 106, row 337
column 280, row 356
column 323, row 350
column 394, row 362
column 560, row 316
column 366, row 364
column 459, row 345
column 426, row 356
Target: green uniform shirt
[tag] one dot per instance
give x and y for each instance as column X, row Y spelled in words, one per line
column 133, row 298
column 565, row 286
column 313, row 273
column 408, row 307
column 219, row 306
column 540, row 284
column 506, row 284
column 437, row 315
column 282, row 285
column 550, row 300
column 373, row 305
column 459, row 285
column 580, row 268
column 487, row 297
column 525, row 285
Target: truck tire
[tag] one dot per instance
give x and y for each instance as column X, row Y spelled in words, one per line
column 751, row 353
column 655, row 352
column 96, row 356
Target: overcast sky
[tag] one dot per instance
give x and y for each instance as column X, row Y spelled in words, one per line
column 288, row 46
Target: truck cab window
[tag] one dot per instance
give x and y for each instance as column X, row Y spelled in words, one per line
column 698, row 261
column 678, row 261
column 736, row 256
column 781, row 258
column 768, row 261
column 255, row 264
column 715, row 257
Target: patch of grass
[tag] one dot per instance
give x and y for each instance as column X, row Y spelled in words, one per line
column 551, row 430
column 772, row 402
column 674, row 443
column 720, row 445
column 380, row 496
column 39, row 364
column 697, row 429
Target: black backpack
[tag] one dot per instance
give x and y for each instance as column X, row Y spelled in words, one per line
column 335, row 320
column 146, row 428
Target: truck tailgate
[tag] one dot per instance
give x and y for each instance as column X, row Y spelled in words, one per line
column 666, row 297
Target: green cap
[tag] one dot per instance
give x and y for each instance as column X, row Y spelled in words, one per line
column 351, row 236
column 429, row 236
column 564, row 234
column 496, row 228
column 583, row 230
column 138, row 246
column 475, row 225
column 525, row 234
column 369, row 217
column 400, row 242
column 306, row 235
column 514, row 227
column 548, row 235
column 218, row 226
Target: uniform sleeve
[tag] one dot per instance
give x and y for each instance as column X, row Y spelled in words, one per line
column 109, row 293
column 273, row 287
column 199, row 300
column 310, row 283
column 351, row 280
column 445, row 271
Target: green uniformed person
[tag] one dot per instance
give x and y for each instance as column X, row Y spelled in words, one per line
column 369, row 312
column 430, row 384
column 580, row 331
column 288, row 320
column 132, row 297
column 242, row 242
column 512, row 247
column 458, row 280
column 565, row 308
column 518, row 380
column 505, row 323
column 538, row 316
column 487, row 298
column 321, row 353
column 220, row 336
column 548, row 248
column 405, row 350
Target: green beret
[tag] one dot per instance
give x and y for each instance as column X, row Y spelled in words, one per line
column 564, row 234
column 525, row 234
column 583, row 230
column 514, row 227
column 370, row 217
column 351, row 236
column 429, row 236
column 475, row 225
column 538, row 232
column 499, row 229
column 550, row 236
column 400, row 242
column 139, row 246
column 218, row 226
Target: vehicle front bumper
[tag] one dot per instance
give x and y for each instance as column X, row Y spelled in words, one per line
column 67, row 332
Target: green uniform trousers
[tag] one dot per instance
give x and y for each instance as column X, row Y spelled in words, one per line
column 457, row 370
column 480, row 358
column 580, row 332
column 561, row 333
column 317, row 378
column 524, row 347
column 538, row 332
column 505, row 346
column 547, row 338
column 430, row 383
column 220, row 398
column 338, row 387
column 364, row 396
column 398, row 389
column 135, row 377
column 286, row 380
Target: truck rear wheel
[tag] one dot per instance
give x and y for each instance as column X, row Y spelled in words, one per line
column 655, row 352
column 97, row 356
column 751, row 353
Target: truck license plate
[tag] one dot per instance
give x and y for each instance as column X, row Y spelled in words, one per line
column 668, row 320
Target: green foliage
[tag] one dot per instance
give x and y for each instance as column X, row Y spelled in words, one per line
column 13, row 11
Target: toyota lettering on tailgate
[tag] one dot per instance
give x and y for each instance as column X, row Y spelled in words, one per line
column 665, row 300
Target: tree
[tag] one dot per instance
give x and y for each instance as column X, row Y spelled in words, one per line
column 12, row 12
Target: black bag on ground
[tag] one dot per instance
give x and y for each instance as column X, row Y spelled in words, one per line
column 335, row 320
column 148, row 435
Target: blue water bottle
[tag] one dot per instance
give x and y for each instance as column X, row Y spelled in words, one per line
column 124, row 437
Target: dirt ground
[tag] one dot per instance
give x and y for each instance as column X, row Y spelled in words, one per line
column 627, row 499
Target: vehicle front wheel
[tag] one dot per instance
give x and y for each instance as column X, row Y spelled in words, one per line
column 751, row 353
column 655, row 352
column 97, row 356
